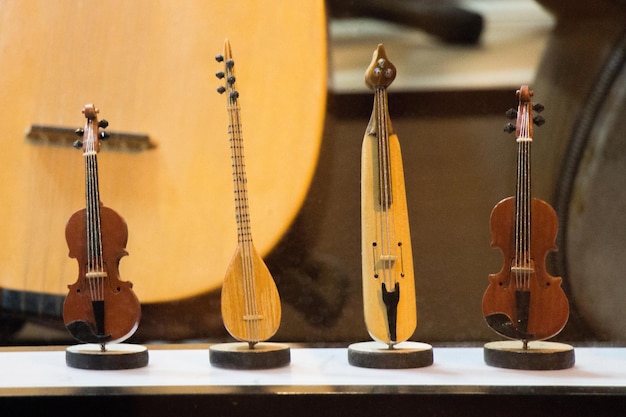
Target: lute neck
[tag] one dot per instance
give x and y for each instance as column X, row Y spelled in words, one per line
column 242, row 211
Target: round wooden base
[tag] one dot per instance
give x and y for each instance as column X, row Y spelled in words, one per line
column 238, row 355
column 539, row 356
column 401, row 356
column 116, row 356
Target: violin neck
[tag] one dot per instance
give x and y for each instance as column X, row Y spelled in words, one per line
column 242, row 210
column 523, row 195
column 92, row 207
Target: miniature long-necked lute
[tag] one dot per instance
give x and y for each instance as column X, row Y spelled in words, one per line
column 251, row 308
column 523, row 301
column 99, row 308
column 387, row 259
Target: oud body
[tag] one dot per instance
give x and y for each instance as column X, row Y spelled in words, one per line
column 387, row 258
column 250, row 302
column 149, row 70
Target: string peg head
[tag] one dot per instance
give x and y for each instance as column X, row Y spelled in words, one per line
column 538, row 120
column 79, row 132
column 103, row 124
column 511, row 113
column 104, row 135
column 219, row 58
column 78, row 144
column 221, row 89
column 234, row 95
column 219, row 74
column 538, row 107
column 509, row 128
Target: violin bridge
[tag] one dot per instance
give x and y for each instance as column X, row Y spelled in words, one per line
column 253, row 317
column 522, row 270
column 387, row 261
column 96, row 274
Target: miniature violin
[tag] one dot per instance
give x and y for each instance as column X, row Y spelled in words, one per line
column 523, row 301
column 387, row 258
column 99, row 308
column 250, row 302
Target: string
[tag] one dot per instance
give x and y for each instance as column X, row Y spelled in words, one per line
column 251, row 317
column 386, row 223
column 95, row 262
column 523, row 201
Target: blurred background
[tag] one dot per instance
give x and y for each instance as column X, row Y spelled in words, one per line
column 459, row 64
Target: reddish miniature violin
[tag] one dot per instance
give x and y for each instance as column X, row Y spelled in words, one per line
column 523, row 301
column 99, row 308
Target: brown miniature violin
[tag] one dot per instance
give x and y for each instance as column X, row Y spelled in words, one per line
column 387, row 259
column 99, row 308
column 523, row 301
column 251, row 308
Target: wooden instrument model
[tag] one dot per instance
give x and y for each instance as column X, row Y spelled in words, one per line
column 99, row 308
column 387, row 258
column 523, row 301
column 250, row 301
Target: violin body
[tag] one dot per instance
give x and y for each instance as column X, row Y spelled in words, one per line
column 548, row 308
column 122, row 309
column 374, row 254
column 251, row 308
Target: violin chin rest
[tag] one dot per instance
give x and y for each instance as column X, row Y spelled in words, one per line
column 502, row 324
column 83, row 331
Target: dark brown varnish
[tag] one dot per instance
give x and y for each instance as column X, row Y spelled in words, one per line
column 523, row 301
column 99, row 308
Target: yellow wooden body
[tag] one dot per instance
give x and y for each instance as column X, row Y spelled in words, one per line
column 259, row 299
column 372, row 214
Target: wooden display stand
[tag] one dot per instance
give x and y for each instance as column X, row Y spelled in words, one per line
column 538, row 356
column 240, row 355
column 401, row 356
column 114, row 357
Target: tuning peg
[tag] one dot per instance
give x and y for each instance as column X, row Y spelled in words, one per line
column 78, row 144
column 511, row 113
column 104, row 135
column 230, row 63
column 219, row 74
column 221, row 89
column 79, row 132
column 538, row 120
column 231, row 80
column 538, row 107
column 234, row 95
column 509, row 128
column 219, row 57
column 102, row 124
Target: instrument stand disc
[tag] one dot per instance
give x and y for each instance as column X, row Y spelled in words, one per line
column 402, row 356
column 539, row 356
column 116, row 356
column 239, row 355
